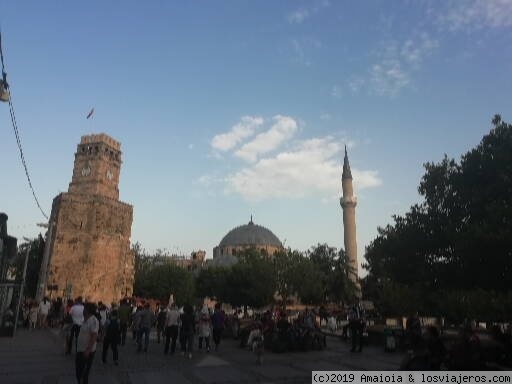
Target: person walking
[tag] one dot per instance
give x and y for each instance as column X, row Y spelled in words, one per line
column 171, row 328
column 77, row 315
column 146, row 320
column 356, row 325
column 187, row 330
column 204, row 328
column 112, row 337
column 125, row 313
column 218, row 325
column 44, row 309
column 86, row 344
column 160, row 322
column 33, row 314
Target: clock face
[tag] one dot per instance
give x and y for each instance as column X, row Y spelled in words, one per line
column 86, row 171
column 110, row 175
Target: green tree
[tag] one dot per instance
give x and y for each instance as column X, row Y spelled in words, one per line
column 251, row 281
column 35, row 258
column 332, row 268
column 287, row 273
column 212, row 282
column 455, row 246
column 156, row 276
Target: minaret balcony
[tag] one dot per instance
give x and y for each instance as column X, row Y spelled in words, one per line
column 348, row 201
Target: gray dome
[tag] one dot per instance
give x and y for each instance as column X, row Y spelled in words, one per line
column 250, row 234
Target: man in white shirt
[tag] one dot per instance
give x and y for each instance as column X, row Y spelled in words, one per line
column 171, row 328
column 44, row 309
column 86, row 344
column 77, row 315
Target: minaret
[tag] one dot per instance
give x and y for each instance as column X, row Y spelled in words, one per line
column 348, row 203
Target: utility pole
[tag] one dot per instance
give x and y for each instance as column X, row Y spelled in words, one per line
column 41, row 284
column 21, row 290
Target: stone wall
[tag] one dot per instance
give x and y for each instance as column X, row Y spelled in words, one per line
column 90, row 248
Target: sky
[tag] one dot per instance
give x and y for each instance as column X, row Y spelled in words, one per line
column 230, row 108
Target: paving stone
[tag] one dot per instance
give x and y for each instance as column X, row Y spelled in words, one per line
column 164, row 377
column 37, row 357
column 226, row 374
column 279, row 372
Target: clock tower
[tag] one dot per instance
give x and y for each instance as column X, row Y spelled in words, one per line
column 90, row 252
column 97, row 166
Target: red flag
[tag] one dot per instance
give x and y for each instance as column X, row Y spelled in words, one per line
column 90, row 113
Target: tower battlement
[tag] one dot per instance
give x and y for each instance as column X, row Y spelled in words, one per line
column 97, row 166
column 100, row 138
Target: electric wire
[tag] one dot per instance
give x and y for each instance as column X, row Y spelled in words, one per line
column 17, row 133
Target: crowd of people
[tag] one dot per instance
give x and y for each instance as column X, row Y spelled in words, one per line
column 84, row 324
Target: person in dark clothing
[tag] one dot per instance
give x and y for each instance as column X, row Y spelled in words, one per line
column 413, row 331
column 436, row 350
column 356, row 325
column 160, row 322
column 125, row 314
column 188, row 323
column 112, row 337
column 218, row 324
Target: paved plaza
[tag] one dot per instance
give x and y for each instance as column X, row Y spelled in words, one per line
column 38, row 357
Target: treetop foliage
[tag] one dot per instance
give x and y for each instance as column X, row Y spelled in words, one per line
column 460, row 236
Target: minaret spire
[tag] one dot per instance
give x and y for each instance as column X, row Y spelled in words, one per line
column 347, row 174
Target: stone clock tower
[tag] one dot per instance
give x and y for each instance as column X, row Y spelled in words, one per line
column 348, row 203
column 90, row 252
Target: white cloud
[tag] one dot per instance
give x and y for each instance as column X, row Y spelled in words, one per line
column 313, row 166
column 284, row 128
column 355, row 83
column 388, row 78
column 298, row 16
column 336, row 91
column 243, row 130
column 472, row 15
column 301, row 14
column 394, row 65
column 303, row 48
column 325, row 116
column 415, row 51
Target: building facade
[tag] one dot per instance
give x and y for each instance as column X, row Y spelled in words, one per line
column 90, row 253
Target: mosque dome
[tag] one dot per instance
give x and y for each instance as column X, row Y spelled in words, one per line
column 250, row 235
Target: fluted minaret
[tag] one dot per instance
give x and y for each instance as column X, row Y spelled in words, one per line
column 348, row 203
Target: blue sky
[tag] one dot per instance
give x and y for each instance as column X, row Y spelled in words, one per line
column 231, row 108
